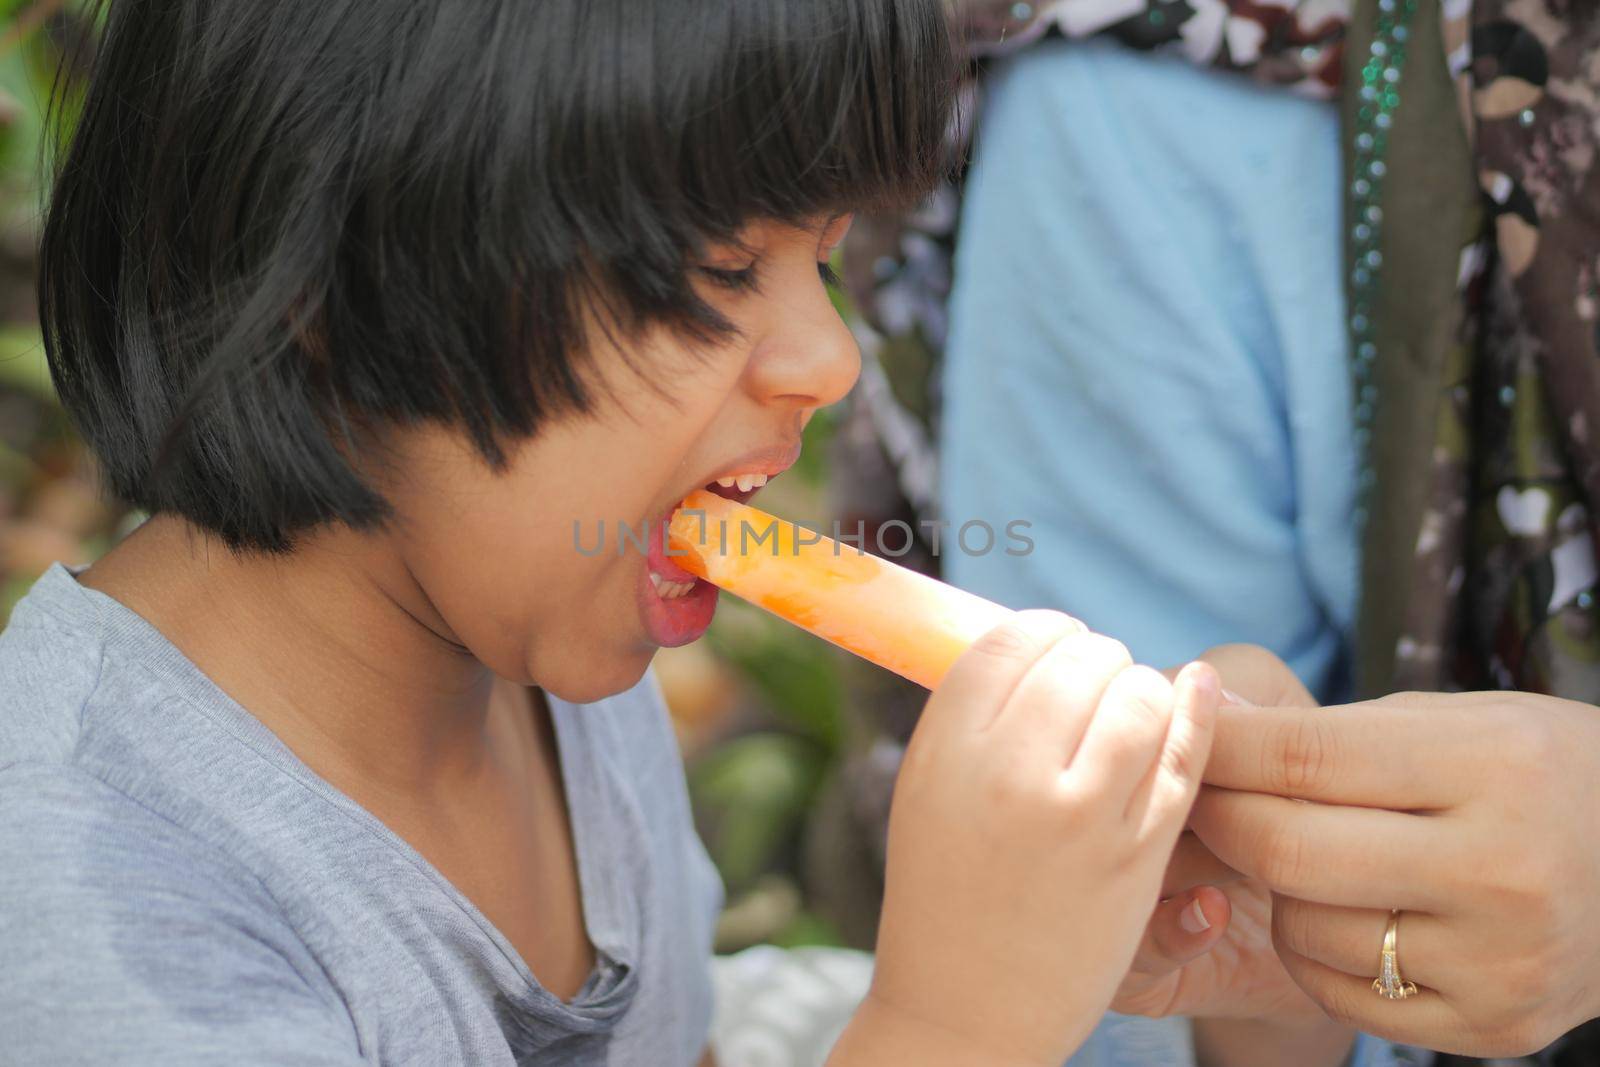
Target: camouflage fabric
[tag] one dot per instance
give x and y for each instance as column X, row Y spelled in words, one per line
column 1294, row 44
column 1480, row 560
column 1530, row 89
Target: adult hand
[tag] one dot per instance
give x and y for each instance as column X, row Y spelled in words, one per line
column 1477, row 815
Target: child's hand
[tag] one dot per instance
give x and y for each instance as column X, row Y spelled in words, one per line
column 1037, row 807
column 1208, row 952
column 1219, row 967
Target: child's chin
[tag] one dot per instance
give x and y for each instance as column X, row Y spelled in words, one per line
column 601, row 680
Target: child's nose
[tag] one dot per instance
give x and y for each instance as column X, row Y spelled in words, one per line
column 812, row 359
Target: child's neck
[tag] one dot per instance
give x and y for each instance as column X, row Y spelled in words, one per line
column 334, row 647
column 339, row 654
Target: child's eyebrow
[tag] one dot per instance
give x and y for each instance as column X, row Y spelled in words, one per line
column 817, row 224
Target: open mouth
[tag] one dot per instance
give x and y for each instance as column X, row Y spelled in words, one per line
column 676, row 606
column 672, row 582
column 740, row 487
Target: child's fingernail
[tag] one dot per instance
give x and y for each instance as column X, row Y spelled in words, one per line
column 1194, row 919
column 1203, row 681
column 1233, row 699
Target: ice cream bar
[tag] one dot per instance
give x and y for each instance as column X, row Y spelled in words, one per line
column 894, row 617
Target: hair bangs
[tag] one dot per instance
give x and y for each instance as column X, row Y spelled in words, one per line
column 279, row 229
column 716, row 114
column 816, row 108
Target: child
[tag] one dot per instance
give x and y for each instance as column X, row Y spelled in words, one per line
column 344, row 756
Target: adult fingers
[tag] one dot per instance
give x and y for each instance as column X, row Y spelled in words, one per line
column 1193, row 864
column 1351, row 940
column 1428, row 1019
column 1353, row 857
column 1368, row 755
column 1255, row 676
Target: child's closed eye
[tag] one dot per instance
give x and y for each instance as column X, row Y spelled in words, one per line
column 745, row 279
column 737, row 280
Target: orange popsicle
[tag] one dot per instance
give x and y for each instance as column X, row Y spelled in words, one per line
column 894, row 617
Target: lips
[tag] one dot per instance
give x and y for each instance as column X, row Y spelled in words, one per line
column 744, row 475
column 676, row 606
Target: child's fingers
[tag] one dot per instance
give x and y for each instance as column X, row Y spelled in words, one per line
column 1183, row 929
column 977, row 688
column 1051, row 708
column 1125, row 737
column 1174, row 779
column 1197, row 696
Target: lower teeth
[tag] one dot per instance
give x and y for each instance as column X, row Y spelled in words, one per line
column 670, row 590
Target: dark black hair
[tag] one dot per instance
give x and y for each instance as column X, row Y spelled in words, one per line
column 279, row 225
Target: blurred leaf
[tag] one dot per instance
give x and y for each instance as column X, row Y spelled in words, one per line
column 808, row 929
column 794, row 672
column 21, row 136
column 28, row 79
column 13, row 589
column 812, row 466
column 761, row 913
column 16, row 468
column 841, row 299
column 753, row 793
column 22, row 362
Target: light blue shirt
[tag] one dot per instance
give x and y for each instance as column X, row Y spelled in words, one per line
column 1148, row 362
column 1148, row 358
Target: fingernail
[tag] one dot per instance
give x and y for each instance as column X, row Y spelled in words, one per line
column 1194, row 919
column 1204, row 680
column 1232, row 699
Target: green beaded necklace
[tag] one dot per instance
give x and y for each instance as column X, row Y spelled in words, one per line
column 1379, row 98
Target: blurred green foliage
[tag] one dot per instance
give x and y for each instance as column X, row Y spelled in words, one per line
column 48, row 504
column 22, row 364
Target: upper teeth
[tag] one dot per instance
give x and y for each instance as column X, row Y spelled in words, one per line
column 745, row 482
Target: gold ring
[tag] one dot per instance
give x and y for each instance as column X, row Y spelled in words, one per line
column 1389, row 984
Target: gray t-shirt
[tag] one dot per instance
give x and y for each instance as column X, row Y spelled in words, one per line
column 177, row 888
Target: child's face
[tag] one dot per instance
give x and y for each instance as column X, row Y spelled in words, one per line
column 496, row 555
